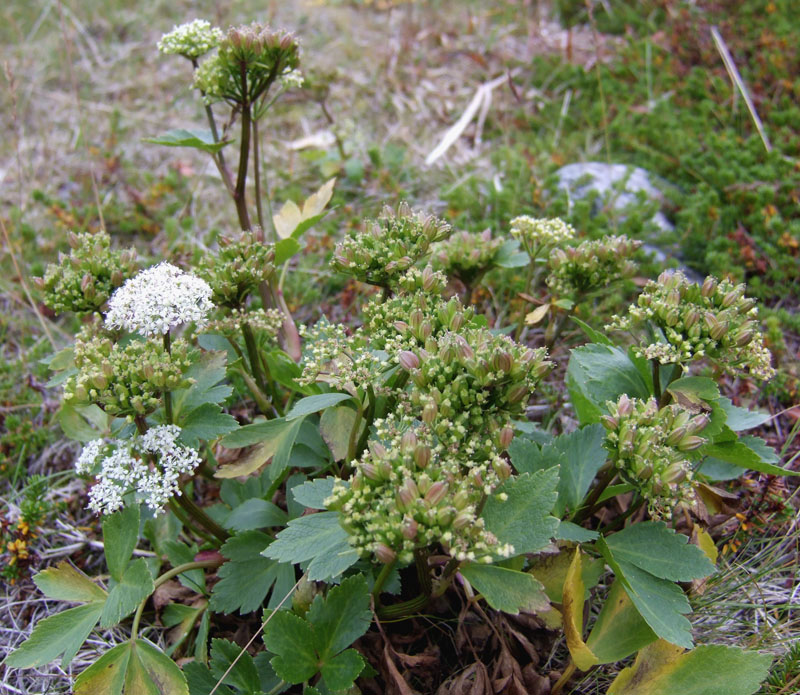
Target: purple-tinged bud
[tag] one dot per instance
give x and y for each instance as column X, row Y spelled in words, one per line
column 404, row 499
column 646, row 472
column 719, row 331
column 624, row 405
column 409, row 528
column 730, row 298
column 408, row 360
column 676, row 436
column 436, row 493
column 518, row 393
column 369, row 471
column 378, row 449
column 465, row 352
column 610, row 423
column 675, row 473
column 287, row 42
column 408, row 440
column 422, row 456
column 117, row 278
column 419, row 379
column 385, row 554
column 502, row 468
column 462, row 519
column 428, row 278
column 691, row 443
column 401, row 327
column 457, row 321
column 425, row 330
column 744, row 338
column 503, row 362
column 415, row 320
column 506, row 437
column 698, row 424
column 73, row 240
column 709, row 285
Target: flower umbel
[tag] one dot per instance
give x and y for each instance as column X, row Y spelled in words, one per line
column 149, row 466
column 159, row 299
column 192, row 40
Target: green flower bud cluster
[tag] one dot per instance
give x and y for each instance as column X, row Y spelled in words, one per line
column 237, row 269
column 386, row 248
column 264, row 321
column 249, row 59
column 537, row 236
column 469, row 385
column 126, row 379
column 591, row 266
column 467, row 256
column 426, row 280
column 191, row 40
column 713, row 320
column 407, row 321
column 83, row 281
column 649, row 448
column 342, row 361
column 410, row 491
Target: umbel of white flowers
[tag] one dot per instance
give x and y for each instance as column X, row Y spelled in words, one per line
column 148, row 465
column 158, row 299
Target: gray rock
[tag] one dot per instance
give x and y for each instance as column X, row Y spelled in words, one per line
column 619, row 185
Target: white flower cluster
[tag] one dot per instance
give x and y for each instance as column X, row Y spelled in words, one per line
column 192, row 39
column 537, row 234
column 292, row 78
column 158, row 299
column 149, row 465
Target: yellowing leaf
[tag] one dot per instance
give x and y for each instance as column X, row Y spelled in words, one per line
column 707, row 545
column 251, row 462
column 287, row 219
column 573, row 616
column 665, row 669
column 316, row 202
column 290, row 217
column 537, row 314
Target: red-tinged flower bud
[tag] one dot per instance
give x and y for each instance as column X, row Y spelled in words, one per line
column 117, row 278
column 624, row 405
column 401, row 327
column 730, row 298
column 676, row 436
column 385, row 554
column 744, row 338
column 425, row 330
column 428, row 278
column 506, row 437
column 408, row 441
column 369, row 471
column 465, row 352
column 709, row 285
column 610, row 423
column 378, row 449
column 73, row 240
column 409, row 528
column 502, row 468
column 287, row 42
column 436, row 493
column 384, row 470
column 422, row 456
column 404, row 499
column 457, row 321
column 503, row 362
column 518, row 393
column 698, row 424
column 408, row 360
column 415, row 320
column 690, row 443
column 462, row 519
column 719, row 331
column 675, row 473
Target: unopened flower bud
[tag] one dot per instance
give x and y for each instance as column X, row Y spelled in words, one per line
column 709, row 285
column 625, row 405
column 502, row 468
column 690, row 443
column 429, row 413
column 503, row 362
column 422, row 456
column 506, row 436
column 675, row 473
column 518, row 393
column 436, row 493
column 385, row 554
column 408, row 441
column 676, row 436
column 408, row 360
column 409, row 528
column 73, row 240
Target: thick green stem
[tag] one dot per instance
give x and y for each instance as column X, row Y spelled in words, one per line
column 447, row 577
column 184, row 518
column 352, row 441
column 174, row 572
column 404, row 609
column 656, row 365
column 383, row 575
column 587, row 509
column 368, row 417
column 252, row 354
column 168, row 394
column 201, row 517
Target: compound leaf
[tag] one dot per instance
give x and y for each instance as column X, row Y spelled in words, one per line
column 134, row 587
column 341, row 617
column 65, row 583
column 505, row 589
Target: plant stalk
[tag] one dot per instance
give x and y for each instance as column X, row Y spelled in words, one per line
column 201, row 517
column 168, row 394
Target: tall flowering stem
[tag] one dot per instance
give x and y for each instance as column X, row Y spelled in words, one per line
column 168, row 394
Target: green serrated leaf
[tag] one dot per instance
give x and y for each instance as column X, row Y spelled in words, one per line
column 248, row 576
column 655, row 548
column 600, row 373
column 120, row 535
column 660, row 602
column 335, row 426
column 135, row 585
column 132, row 668
column 256, row 513
column 201, row 681
column 567, row 531
column 619, row 630
column 581, row 455
column 206, row 422
column 62, row 633
column 243, row 676
column 313, row 404
column 291, row 639
column 740, row 419
column 747, row 452
column 593, row 335
column 341, row 617
column 206, row 375
column 313, row 493
column 196, row 139
column 505, row 589
column 713, row 669
column 340, row 671
column 524, row 519
column 318, row 538
column 65, row 583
